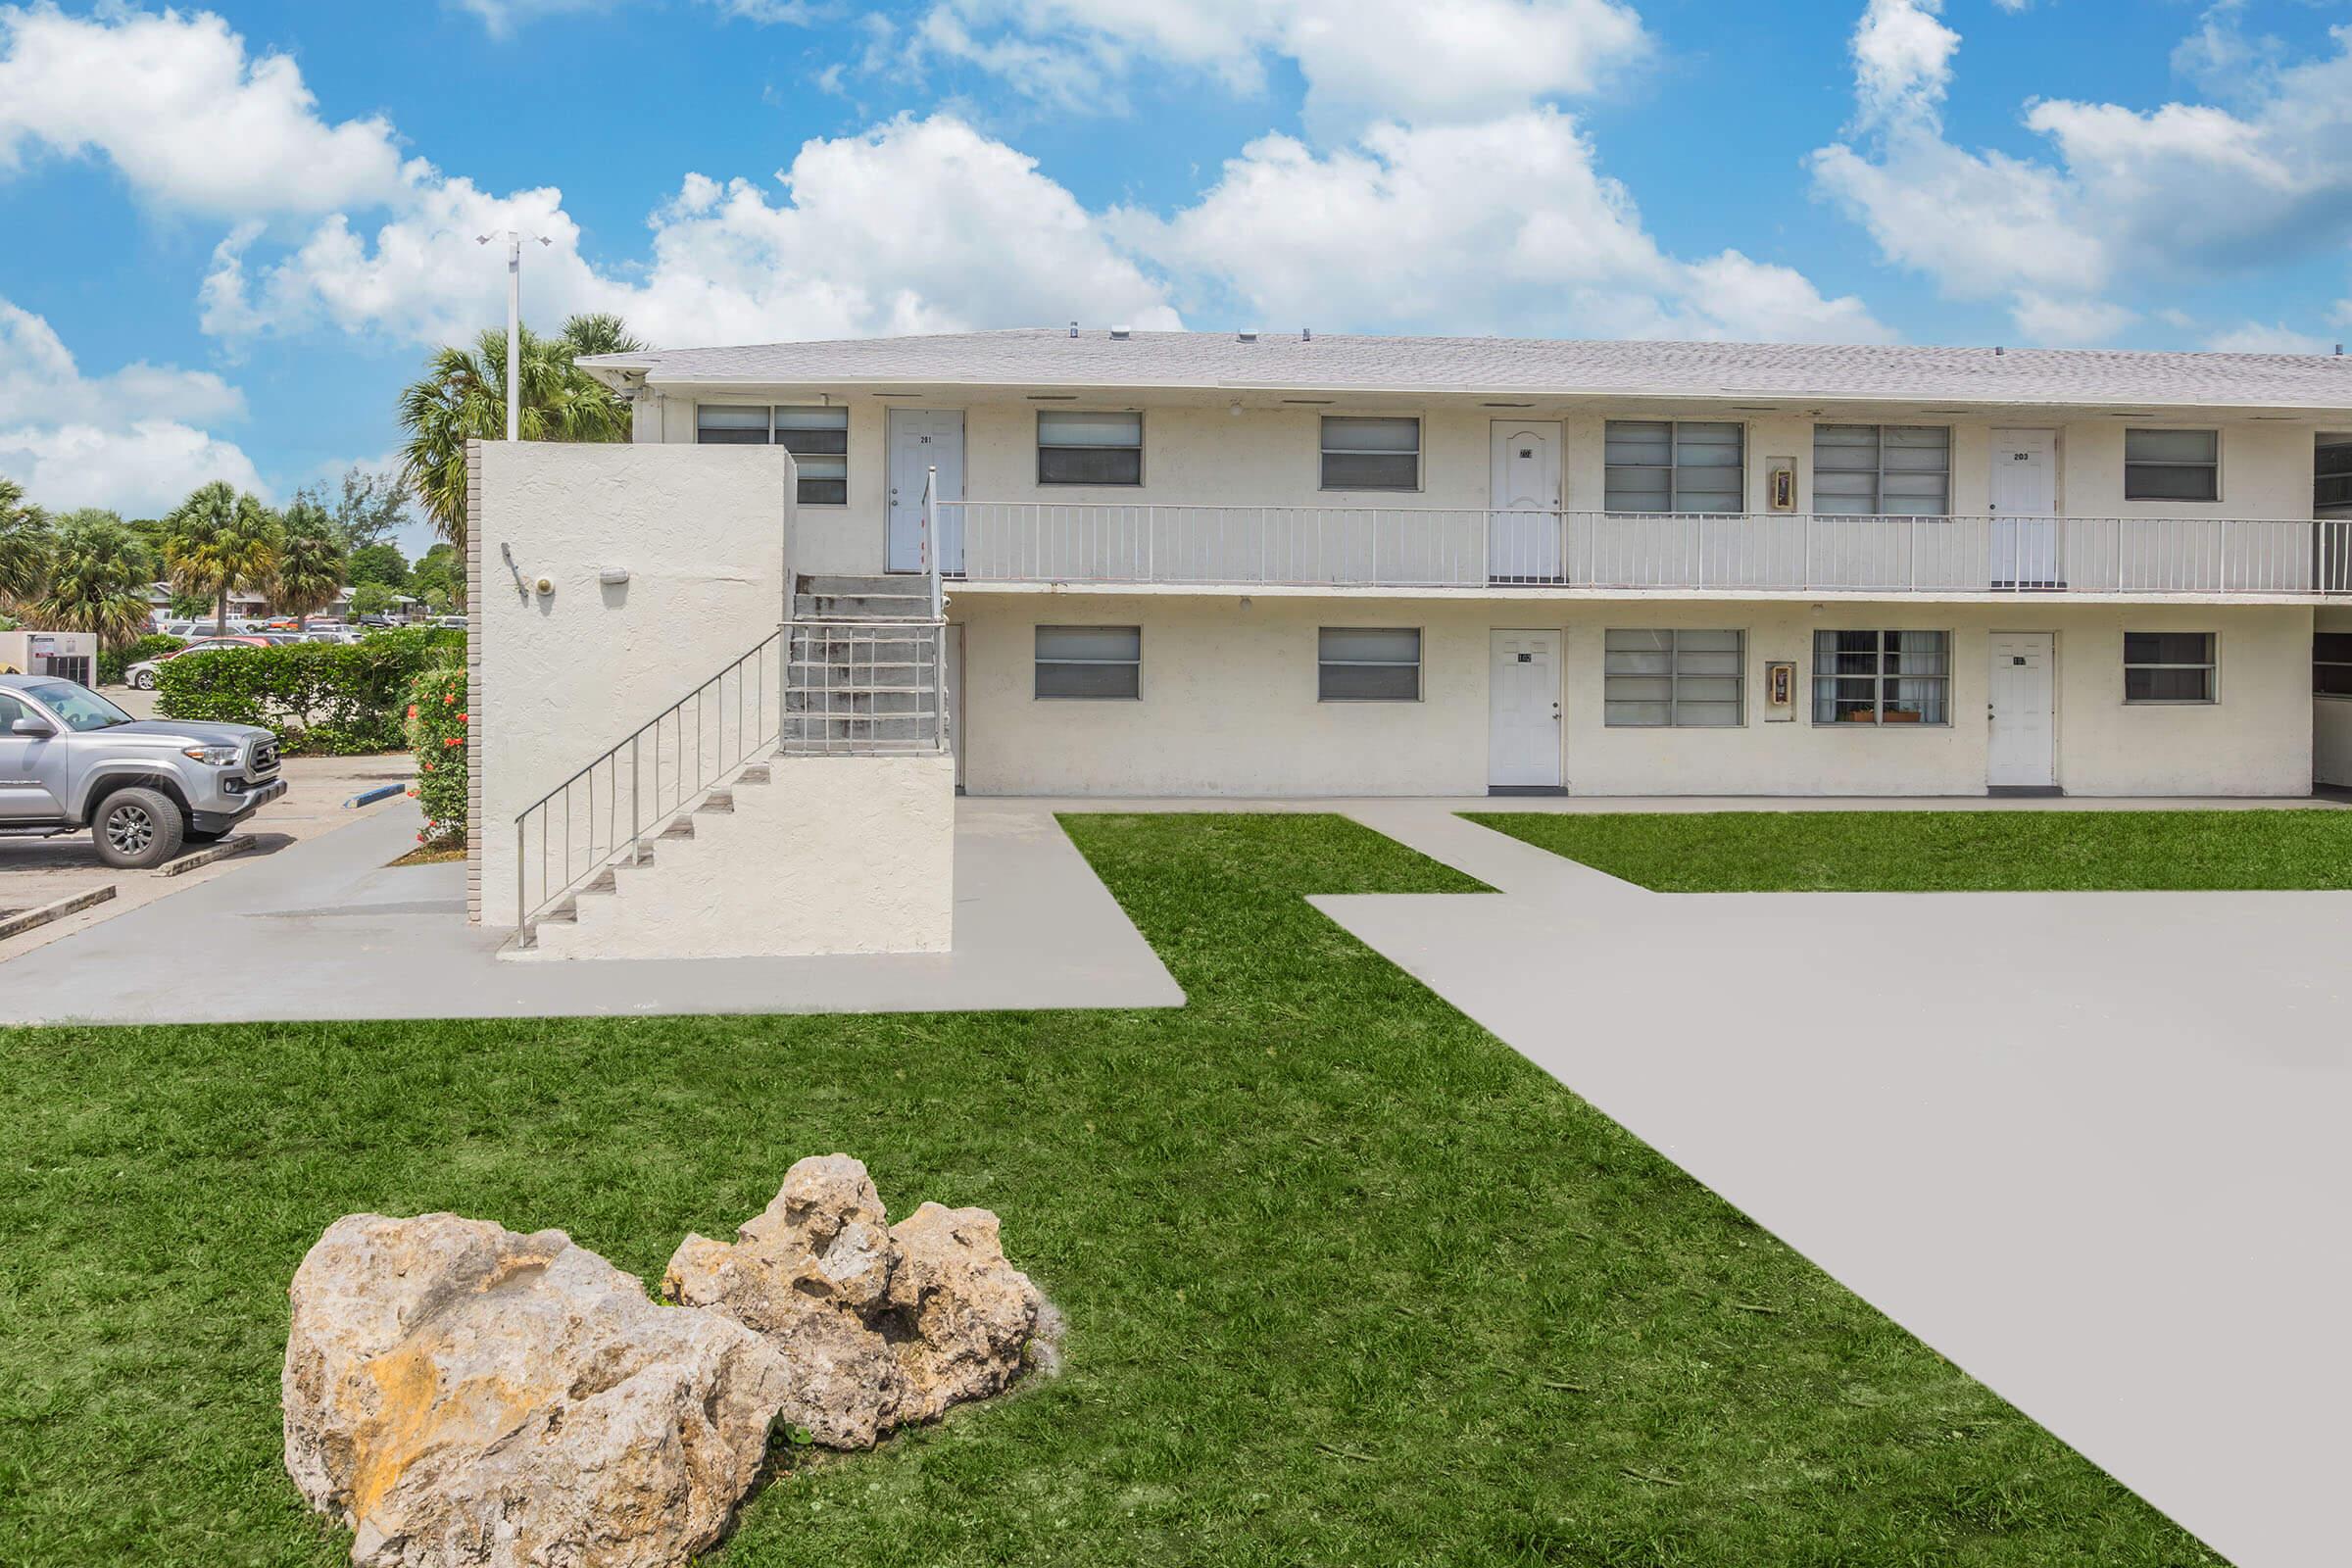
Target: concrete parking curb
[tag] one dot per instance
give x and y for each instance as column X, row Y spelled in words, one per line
column 208, row 854
column 57, row 908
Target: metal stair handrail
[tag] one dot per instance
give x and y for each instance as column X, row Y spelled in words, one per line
column 697, row 756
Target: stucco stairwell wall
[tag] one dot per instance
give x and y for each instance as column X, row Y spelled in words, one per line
column 560, row 678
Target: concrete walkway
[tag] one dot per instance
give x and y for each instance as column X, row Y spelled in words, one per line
column 2092, row 1146
column 325, row 929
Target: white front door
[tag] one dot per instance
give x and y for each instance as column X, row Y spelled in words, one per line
column 2025, row 498
column 921, row 439
column 2021, row 752
column 1523, row 500
column 1523, row 710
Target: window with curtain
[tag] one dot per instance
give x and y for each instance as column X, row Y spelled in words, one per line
column 2167, row 666
column 1671, row 466
column 1371, row 453
column 819, row 440
column 1102, row 663
column 1883, row 470
column 1368, row 664
column 2172, row 465
column 1075, row 448
column 1674, row 678
column 2331, row 663
column 1882, row 677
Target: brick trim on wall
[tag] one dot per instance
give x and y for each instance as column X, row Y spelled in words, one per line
column 473, row 682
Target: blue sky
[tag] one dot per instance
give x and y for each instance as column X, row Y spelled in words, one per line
column 239, row 229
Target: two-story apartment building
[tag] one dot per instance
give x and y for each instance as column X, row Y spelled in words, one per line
column 1262, row 563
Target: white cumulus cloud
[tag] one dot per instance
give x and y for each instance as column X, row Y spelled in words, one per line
column 1506, row 228
column 1362, row 60
column 129, row 440
column 2128, row 198
column 190, row 118
column 916, row 225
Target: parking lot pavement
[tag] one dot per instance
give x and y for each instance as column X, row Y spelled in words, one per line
column 35, row 872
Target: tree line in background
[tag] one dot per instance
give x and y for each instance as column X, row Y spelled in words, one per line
column 91, row 571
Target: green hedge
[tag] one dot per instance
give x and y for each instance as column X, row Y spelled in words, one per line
column 114, row 662
column 436, row 730
column 326, row 699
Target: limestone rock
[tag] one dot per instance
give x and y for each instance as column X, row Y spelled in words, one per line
column 964, row 1313
column 457, row 1393
column 881, row 1326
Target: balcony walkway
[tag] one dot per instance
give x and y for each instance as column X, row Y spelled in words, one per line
column 1412, row 550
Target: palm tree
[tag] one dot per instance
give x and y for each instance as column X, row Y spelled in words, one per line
column 98, row 580
column 25, row 545
column 219, row 540
column 462, row 396
column 308, row 574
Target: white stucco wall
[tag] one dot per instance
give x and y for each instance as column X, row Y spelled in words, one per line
column 1228, row 705
column 832, row 855
column 561, row 676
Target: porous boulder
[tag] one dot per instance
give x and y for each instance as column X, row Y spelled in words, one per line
column 459, row 1394
column 881, row 1326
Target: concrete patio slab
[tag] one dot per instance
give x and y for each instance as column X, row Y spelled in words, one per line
column 325, row 929
column 2088, row 1146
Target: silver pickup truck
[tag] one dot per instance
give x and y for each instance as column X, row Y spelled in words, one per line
column 70, row 759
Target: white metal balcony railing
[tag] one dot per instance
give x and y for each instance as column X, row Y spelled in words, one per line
column 1397, row 547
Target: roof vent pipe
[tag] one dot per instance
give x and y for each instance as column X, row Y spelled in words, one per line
column 1121, row 333
column 1999, row 350
column 1306, row 334
column 1247, row 334
column 1073, row 329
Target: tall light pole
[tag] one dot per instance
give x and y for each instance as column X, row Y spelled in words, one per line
column 513, row 326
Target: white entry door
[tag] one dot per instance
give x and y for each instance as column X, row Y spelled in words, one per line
column 2022, row 751
column 919, row 440
column 1523, row 710
column 2024, row 495
column 1523, row 534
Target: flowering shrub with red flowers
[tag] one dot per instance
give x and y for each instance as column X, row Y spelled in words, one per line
column 436, row 729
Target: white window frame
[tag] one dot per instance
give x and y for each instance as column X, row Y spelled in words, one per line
column 1675, row 677
column 773, row 437
column 1879, row 681
column 2211, row 664
column 1879, row 471
column 1420, row 654
column 1674, row 466
column 1324, row 452
column 1043, row 447
column 1039, row 662
column 2214, row 464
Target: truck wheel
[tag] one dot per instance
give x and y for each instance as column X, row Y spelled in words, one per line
column 137, row 829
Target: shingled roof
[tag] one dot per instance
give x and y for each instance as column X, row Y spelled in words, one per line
column 1219, row 361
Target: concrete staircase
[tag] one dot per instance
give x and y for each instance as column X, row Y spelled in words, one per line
column 794, row 855
column 852, row 682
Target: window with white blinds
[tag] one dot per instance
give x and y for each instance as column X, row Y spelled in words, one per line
column 1883, row 470
column 1079, row 448
column 1674, row 678
column 1675, row 466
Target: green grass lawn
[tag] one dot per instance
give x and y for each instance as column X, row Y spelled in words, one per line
column 1348, row 1282
column 1946, row 851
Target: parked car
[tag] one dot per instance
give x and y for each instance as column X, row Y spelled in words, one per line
column 143, row 673
column 70, row 758
column 451, row 622
column 330, row 634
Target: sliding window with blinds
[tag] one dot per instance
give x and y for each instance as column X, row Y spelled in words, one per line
column 1883, row 470
column 1670, row 466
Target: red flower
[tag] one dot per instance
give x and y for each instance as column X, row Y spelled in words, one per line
column 453, row 740
column 450, row 698
column 428, row 767
column 461, row 718
column 421, row 838
column 411, row 710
